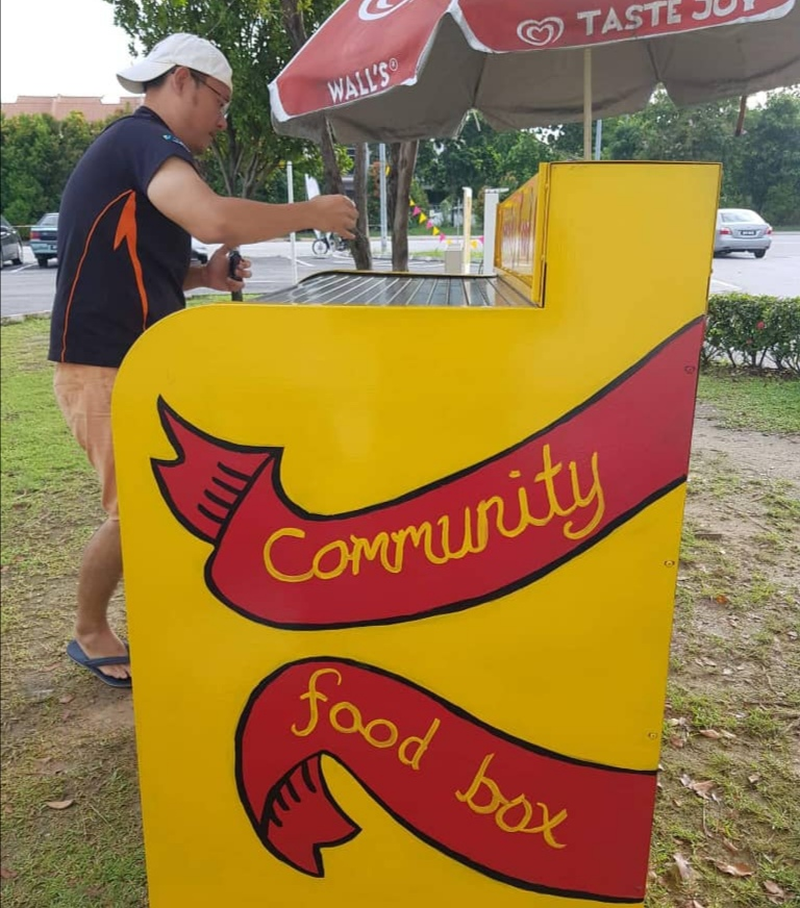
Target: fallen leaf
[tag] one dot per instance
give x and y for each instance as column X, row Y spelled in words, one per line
column 7, row 874
column 67, row 698
column 702, row 789
column 61, row 805
column 773, row 888
column 677, row 742
column 710, row 733
column 734, row 869
column 694, row 904
column 756, row 777
column 721, row 600
column 730, row 846
column 686, row 872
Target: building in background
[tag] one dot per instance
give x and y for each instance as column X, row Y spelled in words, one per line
column 60, row 106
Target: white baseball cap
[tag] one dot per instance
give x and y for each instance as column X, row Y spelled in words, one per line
column 177, row 50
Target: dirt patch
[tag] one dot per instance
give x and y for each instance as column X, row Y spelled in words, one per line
column 764, row 456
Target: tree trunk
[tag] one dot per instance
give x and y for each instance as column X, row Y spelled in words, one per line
column 404, row 158
column 292, row 16
column 362, row 251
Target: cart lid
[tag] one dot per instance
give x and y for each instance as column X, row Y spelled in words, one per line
column 368, row 288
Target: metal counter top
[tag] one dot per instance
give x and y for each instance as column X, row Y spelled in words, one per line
column 369, row 288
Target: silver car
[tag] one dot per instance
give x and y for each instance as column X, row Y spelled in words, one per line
column 741, row 230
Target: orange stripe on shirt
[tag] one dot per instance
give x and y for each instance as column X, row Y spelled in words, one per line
column 125, row 229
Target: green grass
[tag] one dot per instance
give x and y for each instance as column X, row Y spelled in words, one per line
column 762, row 403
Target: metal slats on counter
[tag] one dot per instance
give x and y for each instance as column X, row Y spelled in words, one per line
column 367, row 288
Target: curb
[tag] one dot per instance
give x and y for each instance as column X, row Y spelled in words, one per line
column 23, row 316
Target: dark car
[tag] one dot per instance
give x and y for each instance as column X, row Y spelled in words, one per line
column 44, row 236
column 12, row 243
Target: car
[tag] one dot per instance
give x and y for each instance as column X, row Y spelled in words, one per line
column 741, row 230
column 12, row 243
column 199, row 252
column 44, row 236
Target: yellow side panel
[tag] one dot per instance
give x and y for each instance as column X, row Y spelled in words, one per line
column 400, row 580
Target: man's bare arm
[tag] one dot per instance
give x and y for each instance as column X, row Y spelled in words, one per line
column 179, row 193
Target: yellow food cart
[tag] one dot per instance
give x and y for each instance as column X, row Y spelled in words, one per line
column 400, row 557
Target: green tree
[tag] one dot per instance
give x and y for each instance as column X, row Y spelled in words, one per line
column 38, row 155
column 770, row 166
column 252, row 36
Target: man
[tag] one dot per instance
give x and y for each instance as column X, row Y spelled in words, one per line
column 127, row 215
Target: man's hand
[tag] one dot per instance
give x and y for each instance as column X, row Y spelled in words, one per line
column 334, row 214
column 217, row 274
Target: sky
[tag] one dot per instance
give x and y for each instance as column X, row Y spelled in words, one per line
column 67, row 47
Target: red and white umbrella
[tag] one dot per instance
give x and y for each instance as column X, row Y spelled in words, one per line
column 389, row 70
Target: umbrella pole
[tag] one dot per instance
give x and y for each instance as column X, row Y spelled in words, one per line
column 587, row 104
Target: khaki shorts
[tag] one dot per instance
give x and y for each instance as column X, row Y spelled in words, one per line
column 84, row 396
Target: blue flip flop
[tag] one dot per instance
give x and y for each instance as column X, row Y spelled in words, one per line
column 78, row 656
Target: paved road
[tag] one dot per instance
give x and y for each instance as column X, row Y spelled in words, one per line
column 744, row 273
column 27, row 288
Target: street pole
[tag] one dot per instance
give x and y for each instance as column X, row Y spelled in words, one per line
column 292, row 237
column 382, row 178
column 598, row 140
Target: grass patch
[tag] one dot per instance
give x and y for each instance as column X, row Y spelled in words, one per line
column 763, row 402
column 733, row 700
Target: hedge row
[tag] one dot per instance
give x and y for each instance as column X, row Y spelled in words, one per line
column 759, row 332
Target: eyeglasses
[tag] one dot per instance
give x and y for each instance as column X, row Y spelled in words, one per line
column 224, row 107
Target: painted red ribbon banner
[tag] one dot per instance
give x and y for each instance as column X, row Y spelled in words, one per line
column 462, row 540
column 521, row 814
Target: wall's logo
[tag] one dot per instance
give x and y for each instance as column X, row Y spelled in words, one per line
column 541, row 32
column 377, row 9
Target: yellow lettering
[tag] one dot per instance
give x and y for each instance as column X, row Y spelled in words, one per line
column 501, row 806
column 422, row 746
column 312, row 695
column 270, row 566
column 389, row 549
column 344, row 557
column 548, row 825
column 371, row 550
column 595, row 494
column 527, row 813
column 423, row 534
column 345, row 707
column 377, row 742
column 495, row 799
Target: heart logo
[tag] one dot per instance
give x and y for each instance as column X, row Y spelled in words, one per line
column 377, row 9
column 541, row 32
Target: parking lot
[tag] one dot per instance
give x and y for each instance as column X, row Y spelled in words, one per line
column 27, row 288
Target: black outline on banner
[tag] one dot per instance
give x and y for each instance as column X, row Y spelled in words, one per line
column 259, row 826
column 273, row 455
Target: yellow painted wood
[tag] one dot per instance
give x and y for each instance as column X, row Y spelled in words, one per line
column 370, row 403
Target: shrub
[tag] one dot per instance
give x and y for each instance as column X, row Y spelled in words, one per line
column 755, row 331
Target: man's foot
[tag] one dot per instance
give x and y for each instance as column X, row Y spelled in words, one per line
column 101, row 646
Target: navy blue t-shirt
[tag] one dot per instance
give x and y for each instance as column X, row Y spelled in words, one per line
column 121, row 263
